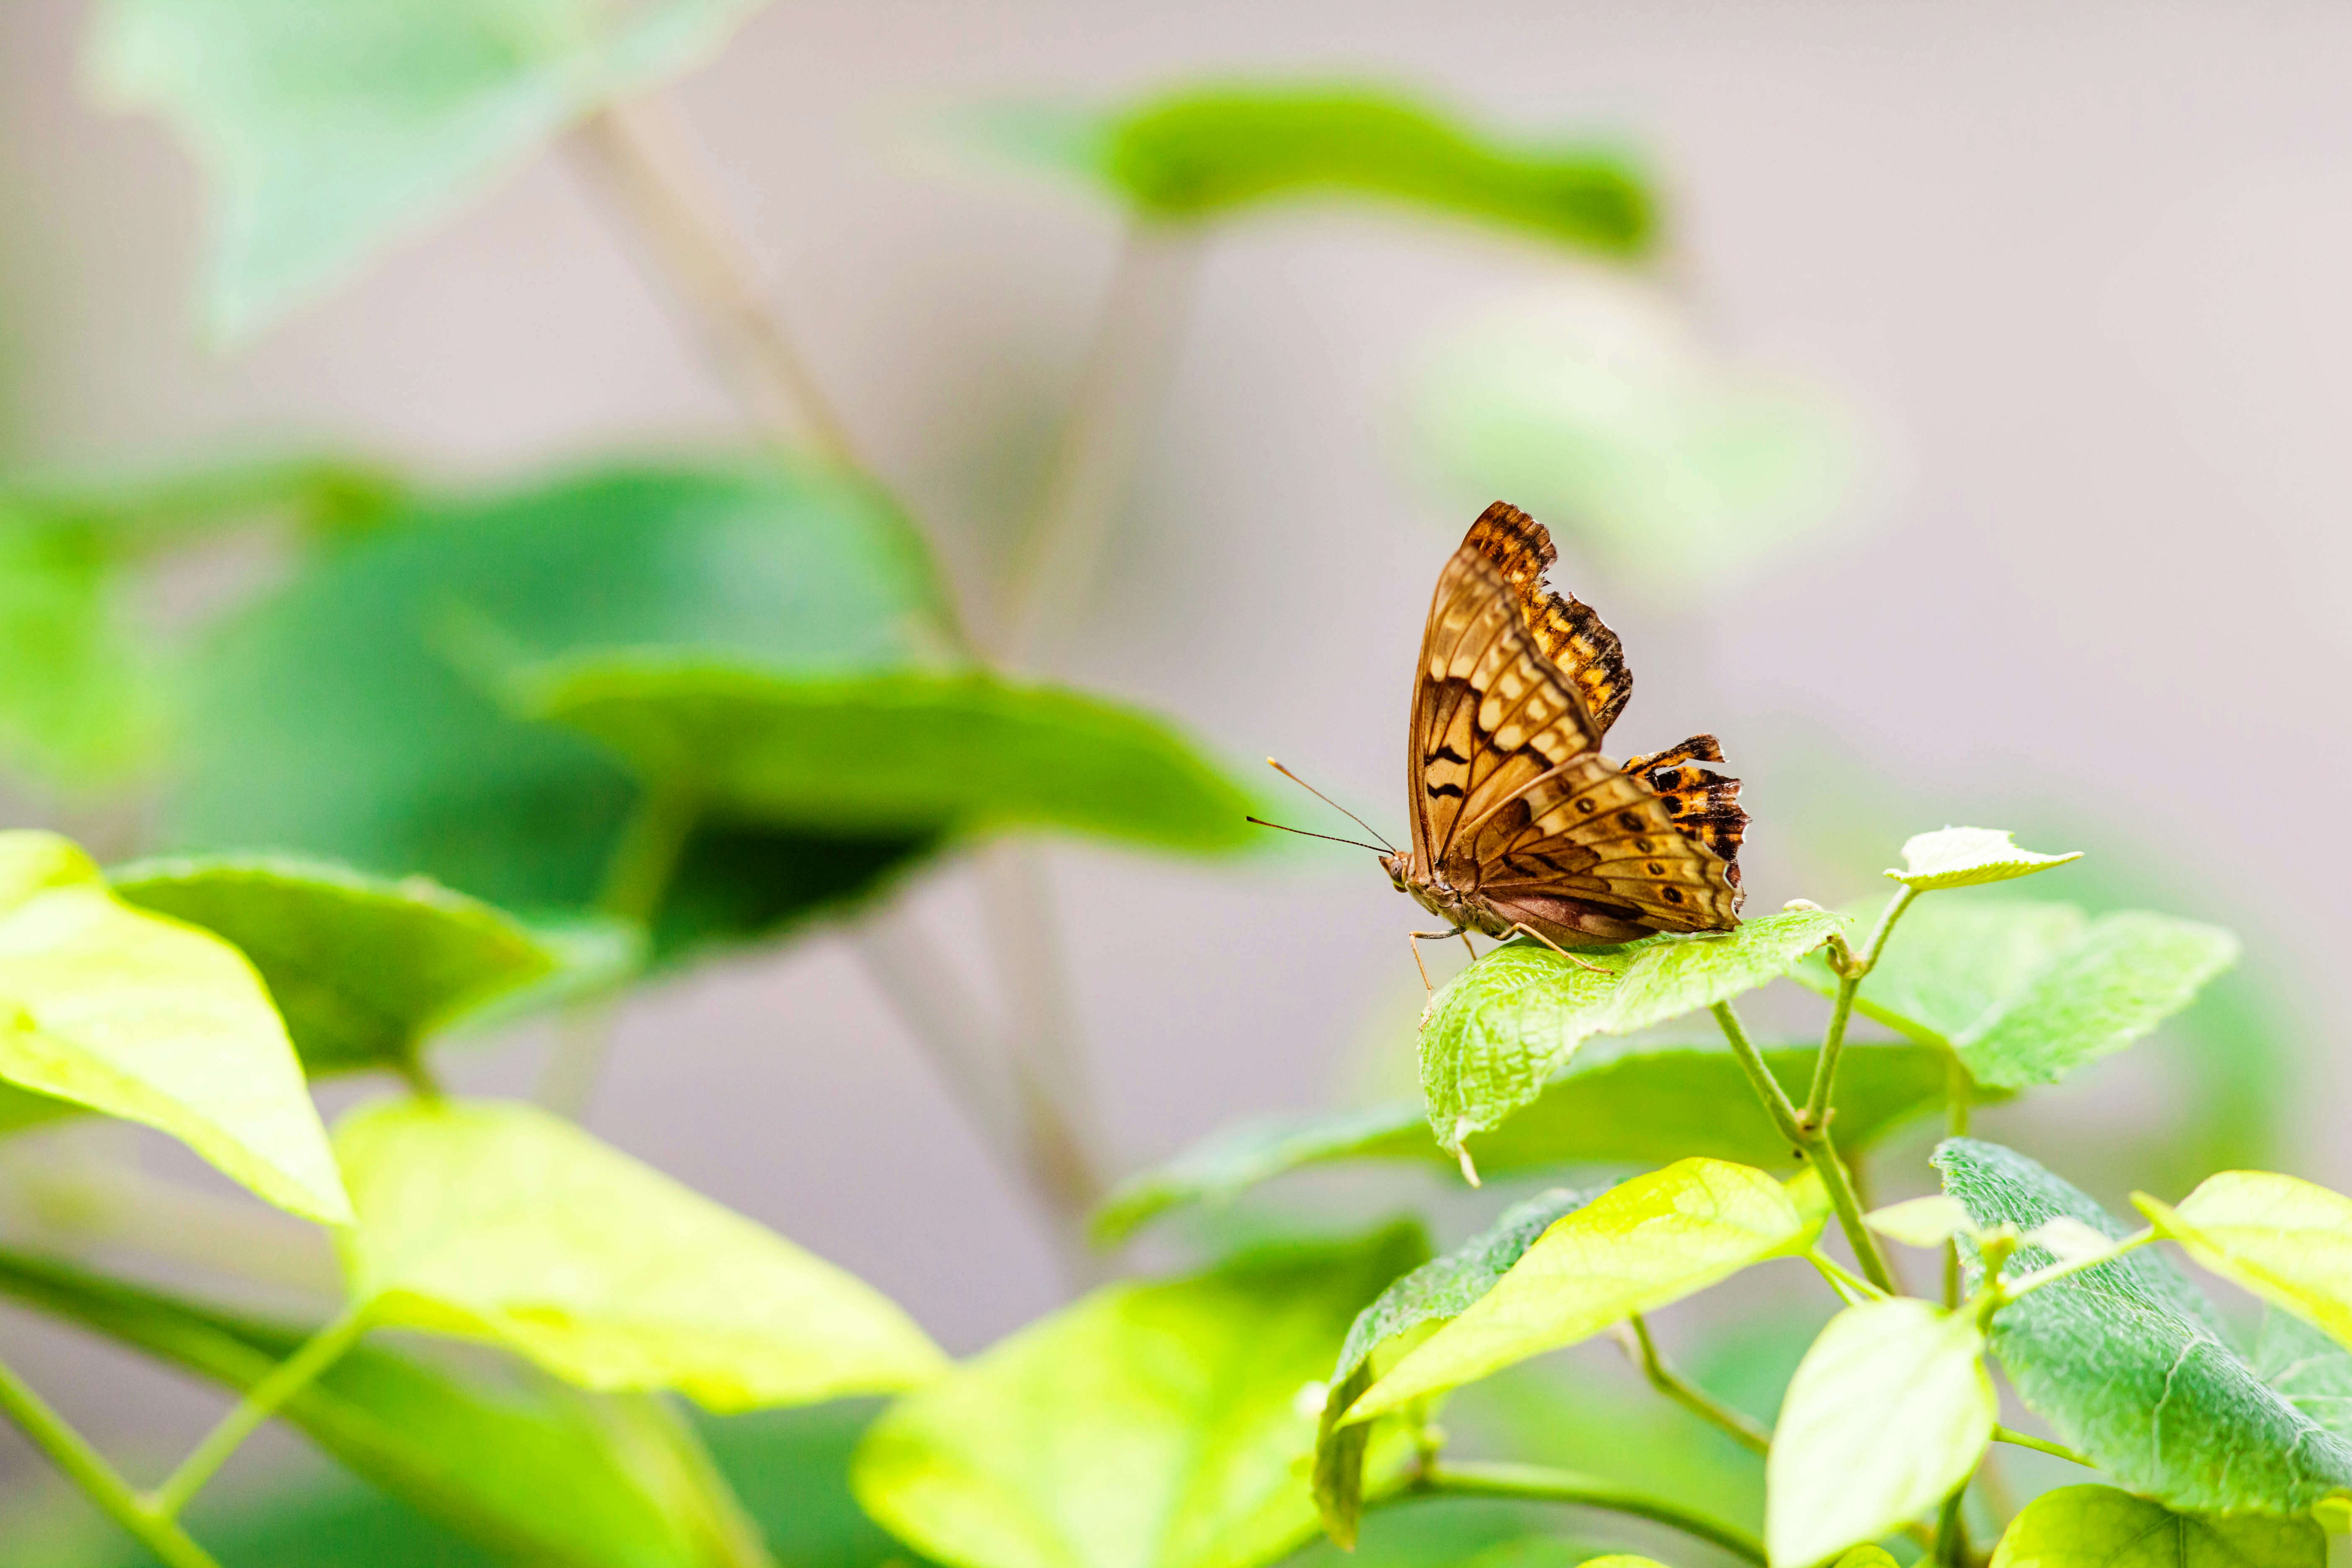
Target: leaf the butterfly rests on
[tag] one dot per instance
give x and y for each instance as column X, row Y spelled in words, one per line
column 1518, row 819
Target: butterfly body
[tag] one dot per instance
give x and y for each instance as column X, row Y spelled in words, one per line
column 1520, row 824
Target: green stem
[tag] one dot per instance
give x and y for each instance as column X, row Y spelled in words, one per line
column 1814, row 1143
column 1843, row 1281
column 261, row 1402
column 715, row 1514
column 1951, row 1550
column 1738, row 1424
column 2027, row 1440
column 1825, row 1066
column 88, row 1469
column 645, row 859
column 1532, row 1483
column 1957, row 1091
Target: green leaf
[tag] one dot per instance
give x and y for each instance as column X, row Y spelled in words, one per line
column 532, row 1471
column 1638, row 1102
column 2287, row 1241
column 1499, row 1030
column 2100, row 1527
column 328, row 131
column 1653, row 1240
column 2130, row 1366
column 80, row 698
column 1209, row 152
column 1969, row 857
column 143, row 1019
column 1152, row 1425
column 339, row 717
column 363, row 969
column 2307, row 1369
column 924, row 752
column 1930, row 1221
column 500, row 1222
column 1400, row 1316
column 2026, row 992
column 1867, row 1557
column 1888, row 1413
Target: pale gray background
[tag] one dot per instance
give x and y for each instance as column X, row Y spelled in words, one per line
column 2080, row 267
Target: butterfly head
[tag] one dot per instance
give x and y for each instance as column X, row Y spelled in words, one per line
column 1395, row 864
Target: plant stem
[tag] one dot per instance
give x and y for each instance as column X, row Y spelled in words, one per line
column 261, row 1402
column 88, row 1469
column 1958, row 1090
column 1041, row 1037
column 1851, row 1287
column 1813, row 1142
column 2027, row 1440
column 1121, row 390
column 1741, row 1427
column 1533, row 1483
column 1951, row 1549
column 637, row 155
column 1825, row 1065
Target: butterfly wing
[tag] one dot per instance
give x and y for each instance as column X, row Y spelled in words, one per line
column 1563, row 628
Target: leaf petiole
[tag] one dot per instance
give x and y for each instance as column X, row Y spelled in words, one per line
column 1533, row 1483
column 1738, row 1424
column 293, row 1374
column 88, row 1469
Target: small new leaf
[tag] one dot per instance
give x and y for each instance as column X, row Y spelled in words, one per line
column 2100, row 1527
column 2288, row 1241
column 1969, row 857
column 1889, row 1412
column 1930, row 1221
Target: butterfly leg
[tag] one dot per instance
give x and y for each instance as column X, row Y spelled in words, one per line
column 1421, row 936
column 1579, row 962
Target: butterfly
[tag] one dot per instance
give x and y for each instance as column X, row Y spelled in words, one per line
column 1519, row 824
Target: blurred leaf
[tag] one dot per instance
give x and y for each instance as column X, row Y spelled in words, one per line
column 536, row 1473
column 2131, row 1366
column 2100, row 1527
column 2307, row 1369
column 363, row 969
column 1969, row 857
column 902, row 753
column 151, row 1021
column 1889, row 1412
column 1636, row 1247
column 1400, row 1316
column 1496, row 1033
column 81, row 697
column 1207, row 152
column 1930, row 1221
column 1616, row 1102
column 326, row 130
column 1872, row 1556
column 504, row 1223
column 1592, row 403
column 334, row 719
column 1150, row 1424
column 2025, row 991
column 2288, row 1241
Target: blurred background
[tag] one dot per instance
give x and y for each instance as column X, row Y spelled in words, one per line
column 1970, row 453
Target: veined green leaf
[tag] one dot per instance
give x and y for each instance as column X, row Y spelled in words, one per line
column 361, row 968
column 2100, row 1527
column 326, row 130
column 154, row 1022
column 534, row 1472
column 1638, row 1102
column 1888, row 1413
column 907, row 753
column 341, row 718
column 1656, row 1239
column 1969, row 857
column 1400, row 1316
column 2307, row 1369
column 1499, row 1030
column 2288, row 1241
column 1149, row 1426
column 500, row 1222
column 1955, row 963
column 2131, row 1366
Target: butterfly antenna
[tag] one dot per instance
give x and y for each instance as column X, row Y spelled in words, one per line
column 1351, row 844
column 1334, row 805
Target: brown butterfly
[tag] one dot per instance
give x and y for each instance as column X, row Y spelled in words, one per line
column 1520, row 824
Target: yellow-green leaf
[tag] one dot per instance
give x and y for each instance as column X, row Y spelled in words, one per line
column 2288, row 1241
column 1888, row 1412
column 1967, row 856
column 1930, row 1221
column 1654, row 1239
column 497, row 1221
column 142, row 1017
column 2100, row 1527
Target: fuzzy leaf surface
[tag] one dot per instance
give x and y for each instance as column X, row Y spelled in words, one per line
column 500, row 1222
column 135, row 1016
column 361, row 968
column 1147, row 1426
column 2130, row 1364
column 1499, row 1030
column 1638, row 1247
column 2288, row 1241
column 1888, row 1412
column 1969, row 857
column 2101, row 1527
